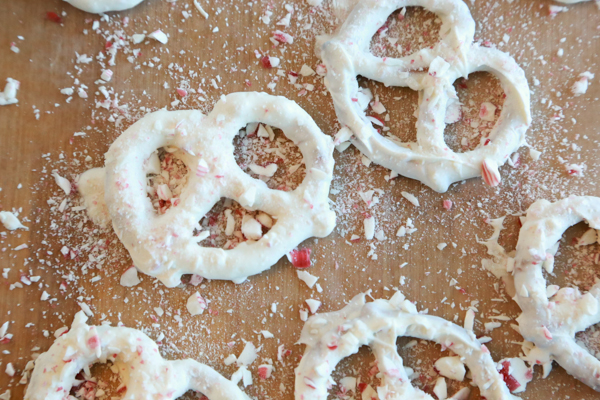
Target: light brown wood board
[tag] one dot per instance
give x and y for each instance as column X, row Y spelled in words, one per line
column 30, row 148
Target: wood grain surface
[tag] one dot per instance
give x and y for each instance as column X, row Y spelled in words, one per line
column 565, row 129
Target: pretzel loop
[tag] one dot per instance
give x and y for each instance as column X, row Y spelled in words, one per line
column 346, row 55
column 163, row 246
column 334, row 336
column 145, row 375
column 552, row 322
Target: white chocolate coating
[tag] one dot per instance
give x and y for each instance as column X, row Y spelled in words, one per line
column 346, row 55
column 331, row 337
column 103, row 6
column 142, row 369
column 551, row 323
column 163, row 246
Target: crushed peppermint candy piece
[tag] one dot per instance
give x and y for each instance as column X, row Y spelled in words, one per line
column 369, row 225
column 196, row 304
column 10, row 370
column 265, row 371
column 300, row 258
column 248, row 355
column 251, row 228
column 313, row 305
column 440, row 389
column 490, row 173
column 10, row 221
column 581, row 85
column 306, row 71
column 107, row 75
column 270, row 62
column 451, row 368
column 515, row 373
column 130, row 277
column 487, row 111
column 283, row 37
column 9, row 95
column 307, row 278
column 200, row 9
column 159, row 36
column 63, row 183
column 267, row 171
column 410, row 198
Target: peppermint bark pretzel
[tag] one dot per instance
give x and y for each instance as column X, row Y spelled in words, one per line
column 346, row 55
column 103, row 6
column 163, row 246
column 551, row 318
column 334, row 336
column 144, row 373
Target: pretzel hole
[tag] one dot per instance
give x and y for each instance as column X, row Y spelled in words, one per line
column 420, row 356
column 265, row 153
column 590, row 340
column 228, row 224
column 360, row 366
column 575, row 264
column 405, row 32
column 470, row 123
column 398, row 121
column 104, row 382
column 167, row 175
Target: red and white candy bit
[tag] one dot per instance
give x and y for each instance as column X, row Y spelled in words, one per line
column 196, row 304
column 54, row 17
column 487, row 112
column 447, row 204
column 56, row 371
column 547, row 333
column 270, row 62
column 195, row 280
column 490, row 173
column 300, row 258
column 283, row 37
column 265, row 371
column 182, row 92
column 202, row 169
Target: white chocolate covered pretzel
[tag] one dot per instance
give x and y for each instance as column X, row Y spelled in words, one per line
column 103, row 6
column 431, row 71
column 144, row 374
column 552, row 322
column 331, row 337
column 164, row 245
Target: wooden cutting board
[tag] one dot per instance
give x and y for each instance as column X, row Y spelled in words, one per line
column 445, row 282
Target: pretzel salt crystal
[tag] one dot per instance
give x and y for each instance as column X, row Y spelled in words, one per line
column 346, row 55
column 334, row 336
column 103, row 6
column 163, row 246
column 143, row 371
column 552, row 322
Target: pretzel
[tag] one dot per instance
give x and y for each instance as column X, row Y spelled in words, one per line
column 103, row 6
column 144, row 373
column 551, row 323
column 163, row 246
column 333, row 336
column 429, row 160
